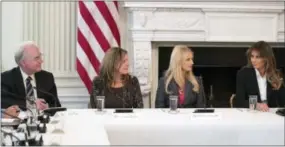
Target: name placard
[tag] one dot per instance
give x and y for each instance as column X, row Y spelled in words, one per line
column 124, row 115
column 206, row 116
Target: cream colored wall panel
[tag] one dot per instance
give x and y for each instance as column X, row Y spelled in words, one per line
column 52, row 26
column 11, row 32
column 241, row 26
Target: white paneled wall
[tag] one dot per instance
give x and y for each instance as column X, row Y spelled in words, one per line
column 52, row 25
column 11, row 32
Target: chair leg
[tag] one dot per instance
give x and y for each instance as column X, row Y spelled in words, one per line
column 149, row 100
column 231, row 100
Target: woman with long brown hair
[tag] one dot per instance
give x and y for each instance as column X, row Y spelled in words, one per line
column 260, row 77
column 121, row 90
column 179, row 80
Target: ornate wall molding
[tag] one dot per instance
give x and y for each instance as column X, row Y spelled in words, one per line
column 241, row 27
column 281, row 31
column 219, row 6
column 176, row 20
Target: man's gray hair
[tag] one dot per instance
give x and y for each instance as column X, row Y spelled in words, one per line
column 19, row 54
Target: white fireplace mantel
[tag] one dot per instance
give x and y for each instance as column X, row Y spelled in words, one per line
column 152, row 22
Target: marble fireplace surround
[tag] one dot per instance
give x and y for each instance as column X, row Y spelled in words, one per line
column 155, row 24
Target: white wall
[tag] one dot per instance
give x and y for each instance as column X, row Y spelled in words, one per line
column 11, row 35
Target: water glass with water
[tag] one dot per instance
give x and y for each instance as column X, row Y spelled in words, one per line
column 100, row 101
column 173, row 103
column 252, row 102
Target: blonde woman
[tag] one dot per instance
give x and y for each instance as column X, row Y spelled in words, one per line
column 179, row 80
column 121, row 90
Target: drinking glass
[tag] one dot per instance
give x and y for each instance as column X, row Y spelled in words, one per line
column 252, row 102
column 100, row 103
column 173, row 103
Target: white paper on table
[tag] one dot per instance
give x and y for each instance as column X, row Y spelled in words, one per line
column 57, row 128
column 7, row 120
column 125, row 115
column 52, row 140
column 206, row 116
column 58, row 118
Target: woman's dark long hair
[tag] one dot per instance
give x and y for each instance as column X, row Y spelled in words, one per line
column 273, row 75
column 111, row 63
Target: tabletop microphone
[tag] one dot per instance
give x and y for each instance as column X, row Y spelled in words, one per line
column 48, row 93
column 281, row 112
column 17, row 96
column 204, row 110
column 53, row 110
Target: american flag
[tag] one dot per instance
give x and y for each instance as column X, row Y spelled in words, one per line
column 97, row 31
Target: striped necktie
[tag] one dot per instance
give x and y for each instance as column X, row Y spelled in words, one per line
column 30, row 96
column 29, row 88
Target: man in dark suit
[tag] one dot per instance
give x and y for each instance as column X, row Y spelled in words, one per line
column 20, row 82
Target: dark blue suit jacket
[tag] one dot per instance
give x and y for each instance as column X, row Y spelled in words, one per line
column 12, row 82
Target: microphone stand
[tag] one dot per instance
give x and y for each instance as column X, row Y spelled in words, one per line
column 204, row 110
column 30, row 129
column 47, row 93
column 30, row 125
column 203, row 92
column 26, row 128
column 96, row 93
column 30, row 132
column 34, row 111
column 53, row 110
column 26, row 132
column 11, row 135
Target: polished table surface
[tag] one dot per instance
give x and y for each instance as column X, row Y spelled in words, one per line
column 159, row 127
